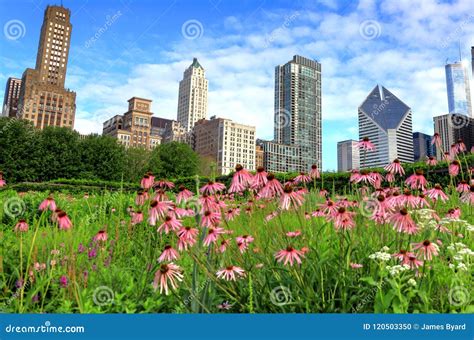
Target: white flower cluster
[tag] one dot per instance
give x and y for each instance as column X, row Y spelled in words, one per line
column 397, row 269
column 461, row 256
column 412, row 282
column 381, row 255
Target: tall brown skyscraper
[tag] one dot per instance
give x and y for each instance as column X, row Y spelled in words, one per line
column 43, row 99
column 12, row 94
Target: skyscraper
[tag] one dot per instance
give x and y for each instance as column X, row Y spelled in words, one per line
column 472, row 61
column 298, row 110
column 458, row 89
column 451, row 128
column 11, row 97
column 348, row 156
column 43, row 99
column 192, row 98
column 422, row 146
column 387, row 122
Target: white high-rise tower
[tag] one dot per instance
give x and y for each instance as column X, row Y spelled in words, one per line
column 192, row 99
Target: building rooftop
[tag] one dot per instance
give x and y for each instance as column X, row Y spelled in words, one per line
column 196, row 64
column 384, row 108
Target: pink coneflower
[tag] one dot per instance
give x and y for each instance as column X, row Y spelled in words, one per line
column 210, row 218
column 2, row 181
column 302, row 178
column 421, row 201
column 160, row 195
column 463, row 186
column 187, row 237
column 436, row 193
column 413, row 262
column 137, row 217
column 21, row 226
column 290, row 198
column 403, row 223
column 167, row 274
column 431, row 161
column 140, row 198
column 356, row 265
column 212, row 235
column 454, row 213
column 48, row 203
column 247, row 239
column 271, row 216
column 454, row 168
column 289, row 254
column 101, row 236
column 366, row 144
column 147, row 182
column 314, row 172
column 293, row 233
column 158, row 209
column 241, row 180
column 436, row 140
column 183, row 194
column 230, row 273
column 417, row 180
column 426, row 248
column 223, row 245
column 170, row 224
column 63, row 281
column 390, row 177
column 272, row 188
column 453, row 151
column 468, row 196
column 210, row 188
column 461, row 147
column 447, row 157
column 343, row 219
column 164, row 184
column 242, row 247
column 168, row 254
column 323, row 193
column 260, row 179
column 63, row 220
column 404, row 256
column 230, row 214
column 329, row 208
column 395, row 167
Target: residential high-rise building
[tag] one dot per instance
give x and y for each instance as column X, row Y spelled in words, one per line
column 192, row 98
column 422, row 146
column 472, row 62
column 135, row 127
column 226, row 143
column 347, row 155
column 11, row 97
column 297, row 116
column 43, row 98
column 387, row 122
column 458, row 89
column 451, row 128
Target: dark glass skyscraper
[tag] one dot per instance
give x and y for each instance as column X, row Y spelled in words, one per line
column 298, row 109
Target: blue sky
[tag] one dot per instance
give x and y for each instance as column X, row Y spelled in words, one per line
column 126, row 48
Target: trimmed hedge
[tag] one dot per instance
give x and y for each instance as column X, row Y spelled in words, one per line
column 332, row 181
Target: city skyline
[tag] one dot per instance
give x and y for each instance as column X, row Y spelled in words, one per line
column 239, row 58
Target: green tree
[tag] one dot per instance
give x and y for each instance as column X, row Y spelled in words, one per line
column 19, row 154
column 136, row 164
column 59, row 158
column 173, row 160
column 101, row 157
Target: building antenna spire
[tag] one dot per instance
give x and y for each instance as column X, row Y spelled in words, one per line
column 460, row 53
